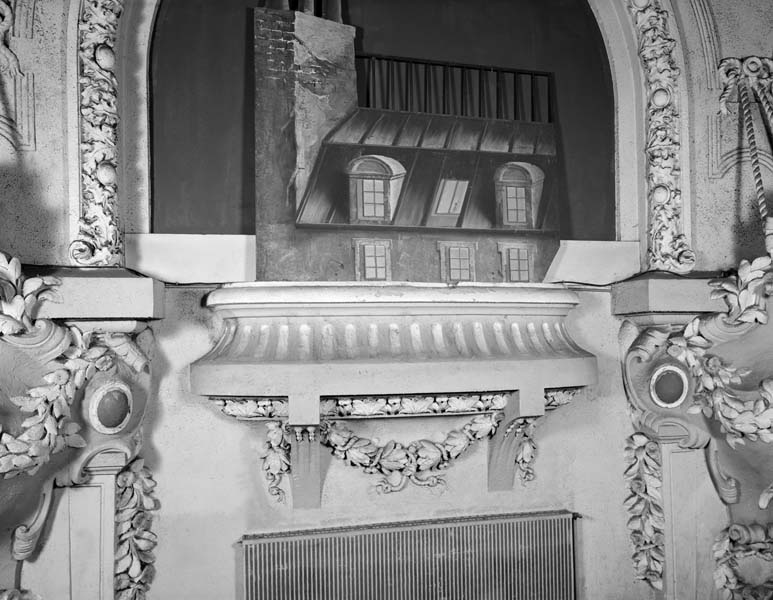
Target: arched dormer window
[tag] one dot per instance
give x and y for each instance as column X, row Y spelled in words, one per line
column 374, row 188
column 519, row 191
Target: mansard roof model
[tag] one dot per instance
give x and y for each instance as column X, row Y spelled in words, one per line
column 447, row 171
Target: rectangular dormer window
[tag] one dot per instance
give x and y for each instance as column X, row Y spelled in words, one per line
column 372, row 259
column 457, row 261
column 515, row 204
column 449, row 198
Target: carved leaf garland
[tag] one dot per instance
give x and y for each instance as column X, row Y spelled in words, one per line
column 135, row 542
column 644, row 503
column 48, row 428
column 418, row 462
column 739, row 543
column 276, row 457
column 745, row 294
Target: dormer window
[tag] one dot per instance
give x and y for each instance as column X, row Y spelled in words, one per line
column 374, row 189
column 519, row 190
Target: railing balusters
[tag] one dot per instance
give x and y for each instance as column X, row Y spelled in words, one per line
column 427, row 86
column 395, row 88
column 445, row 90
column 408, row 86
column 481, row 95
column 463, row 103
column 498, row 76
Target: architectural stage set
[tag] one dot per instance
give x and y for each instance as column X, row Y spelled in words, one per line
column 386, row 299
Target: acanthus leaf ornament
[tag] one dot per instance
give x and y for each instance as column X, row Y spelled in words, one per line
column 99, row 240
column 668, row 248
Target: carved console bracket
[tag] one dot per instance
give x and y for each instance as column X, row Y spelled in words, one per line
column 310, row 358
column 668, row 248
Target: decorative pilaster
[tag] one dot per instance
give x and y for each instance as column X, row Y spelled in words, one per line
column 667, row 247
column 100, row 239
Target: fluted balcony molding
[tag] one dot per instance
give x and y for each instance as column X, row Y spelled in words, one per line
column 307, row 340
column 305, row 343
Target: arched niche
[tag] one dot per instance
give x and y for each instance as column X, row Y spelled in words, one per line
column 631, row 98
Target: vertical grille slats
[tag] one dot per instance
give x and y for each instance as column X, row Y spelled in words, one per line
column 498, row 557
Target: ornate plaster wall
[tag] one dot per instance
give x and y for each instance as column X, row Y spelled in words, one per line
column 213, row 489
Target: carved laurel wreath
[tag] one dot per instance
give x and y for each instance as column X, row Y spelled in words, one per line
column 745, row 294
column 644, row 503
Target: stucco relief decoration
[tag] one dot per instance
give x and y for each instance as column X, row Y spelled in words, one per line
column 745, row 294
column 419, row 462
column 668, row 248
column 276, row 457
column 135, row 504
column 522, row 431
column 100, row 240
column 73, row 357
column 644, row 504
column 743, row 543
column 390, row 406
column 17, row 119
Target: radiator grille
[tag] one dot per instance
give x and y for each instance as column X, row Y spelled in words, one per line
column 526, row 557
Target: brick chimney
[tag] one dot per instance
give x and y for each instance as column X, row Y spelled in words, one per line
column 305, row 83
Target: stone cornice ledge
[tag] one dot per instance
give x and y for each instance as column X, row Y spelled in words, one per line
column 662, row 298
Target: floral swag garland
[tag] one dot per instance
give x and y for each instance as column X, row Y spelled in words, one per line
column 418, row 462
column 739, row 542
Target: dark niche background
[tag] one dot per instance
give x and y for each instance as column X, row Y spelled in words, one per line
column 202, row 96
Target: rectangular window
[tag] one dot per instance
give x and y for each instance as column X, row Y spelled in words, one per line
column 459, row 264
column 373, row 198
column 515, row 204
column 518, row 264
column 375, row 262
column 450, row 196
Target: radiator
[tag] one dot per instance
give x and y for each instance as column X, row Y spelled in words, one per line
column 513, row 557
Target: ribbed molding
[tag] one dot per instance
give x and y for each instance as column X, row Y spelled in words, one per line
column 269, row 327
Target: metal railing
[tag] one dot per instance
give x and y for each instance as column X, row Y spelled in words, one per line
column 329, row 9
column 413, row 85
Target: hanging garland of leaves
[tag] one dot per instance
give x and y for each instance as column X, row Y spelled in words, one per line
column 644, row 503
